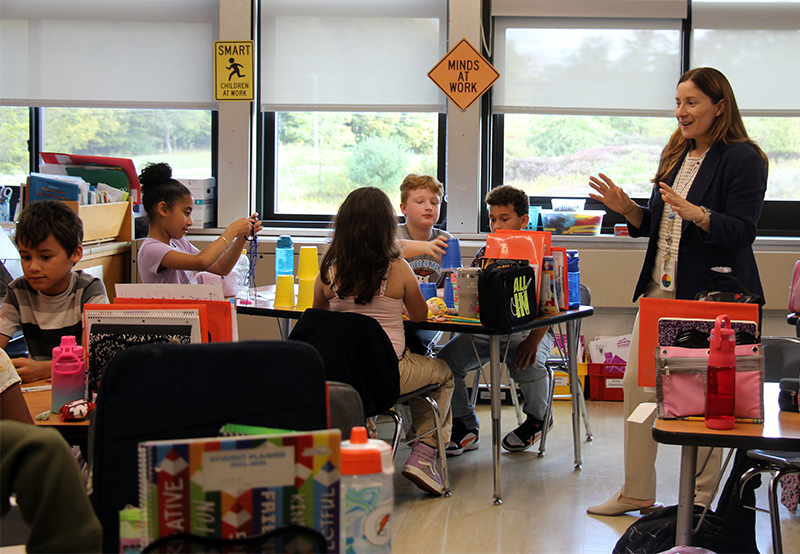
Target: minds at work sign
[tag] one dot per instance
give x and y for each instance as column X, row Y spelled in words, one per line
column 463, row 74
column 233, row 70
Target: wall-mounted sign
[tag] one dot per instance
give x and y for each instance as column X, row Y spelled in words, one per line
column 233, row 70
column 463, row 74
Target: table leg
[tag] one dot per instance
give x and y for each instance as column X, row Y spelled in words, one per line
column 494, row 383
column 572, row 361
column 683, row 529
column 285, row 327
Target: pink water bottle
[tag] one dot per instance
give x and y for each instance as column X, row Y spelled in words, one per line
column 69, row 377
column 721, row 377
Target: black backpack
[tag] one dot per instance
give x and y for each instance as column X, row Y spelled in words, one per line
column 655, row 532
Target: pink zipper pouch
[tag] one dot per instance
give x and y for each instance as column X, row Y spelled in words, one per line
column 681, row 381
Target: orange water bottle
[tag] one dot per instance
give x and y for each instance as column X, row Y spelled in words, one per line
column 721, row 376
column 69, row 377
column 367, row 494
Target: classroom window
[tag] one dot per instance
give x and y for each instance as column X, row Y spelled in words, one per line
column 321, row 156
column 582, row 96
column 553, row 155
column 14, row 156
column 182, row 138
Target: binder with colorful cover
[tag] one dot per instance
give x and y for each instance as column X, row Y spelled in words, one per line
column 241, row 486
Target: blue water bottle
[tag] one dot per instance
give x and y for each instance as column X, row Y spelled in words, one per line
column 574, row 278
column 284, row 256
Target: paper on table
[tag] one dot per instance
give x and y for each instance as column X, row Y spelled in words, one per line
column 171, row 291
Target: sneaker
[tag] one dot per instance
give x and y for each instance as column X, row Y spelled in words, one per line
column 420, row 469
column 461, row 439
column 524, row 436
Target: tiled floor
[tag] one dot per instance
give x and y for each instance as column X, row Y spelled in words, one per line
column 544, row 499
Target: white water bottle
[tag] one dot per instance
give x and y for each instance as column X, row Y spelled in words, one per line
column 367, row 494
column 242, row 269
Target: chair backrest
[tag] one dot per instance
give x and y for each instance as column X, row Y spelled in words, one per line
column 345, row 408
column 356, row 351
column 159, row 392
column 781, row 358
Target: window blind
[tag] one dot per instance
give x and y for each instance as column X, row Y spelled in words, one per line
column 123, row 54
column 351, row 55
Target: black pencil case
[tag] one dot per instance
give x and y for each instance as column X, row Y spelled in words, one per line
column 787, row 398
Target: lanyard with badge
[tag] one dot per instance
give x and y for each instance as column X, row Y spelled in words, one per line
column 670, row 263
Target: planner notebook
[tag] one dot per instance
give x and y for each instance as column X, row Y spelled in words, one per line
column 108, row 331
column 230, row 487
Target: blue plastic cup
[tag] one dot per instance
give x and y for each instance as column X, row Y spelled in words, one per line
column 451, row 259
column 448, row 293
column 428, row 290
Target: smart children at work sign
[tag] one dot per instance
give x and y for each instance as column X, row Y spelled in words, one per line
column 463, row 74
column 233, row 70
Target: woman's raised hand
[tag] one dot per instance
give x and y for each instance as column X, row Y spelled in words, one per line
column 609, row 194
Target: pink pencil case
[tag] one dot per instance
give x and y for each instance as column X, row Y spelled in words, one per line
column 681, row 381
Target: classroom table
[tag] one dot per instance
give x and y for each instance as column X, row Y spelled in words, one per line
column 780, row 431
column 75, row 432
column 262, row 305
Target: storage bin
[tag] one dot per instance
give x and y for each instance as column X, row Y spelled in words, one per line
column 605, row 381
column 585, row 222
column 562, row 381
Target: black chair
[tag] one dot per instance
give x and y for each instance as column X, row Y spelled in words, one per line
column 158, row 392
column 781, row 360
column 356, row 350
column 345, row 408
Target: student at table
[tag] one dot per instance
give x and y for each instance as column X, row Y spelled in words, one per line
column 527, row 351
column 362, row 272
column 12, row 404
column 47, row 301
column 701, row 219
column 166, row 256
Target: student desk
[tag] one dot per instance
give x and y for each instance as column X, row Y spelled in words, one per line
column 262, row 306
column 75, row 432
column 780, row 431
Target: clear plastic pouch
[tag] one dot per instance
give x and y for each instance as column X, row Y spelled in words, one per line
column 681, row 381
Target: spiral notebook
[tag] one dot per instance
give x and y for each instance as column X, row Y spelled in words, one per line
column 109, row 331
column 228, row 487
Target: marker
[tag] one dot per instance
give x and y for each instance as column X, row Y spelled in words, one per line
column 737, row 420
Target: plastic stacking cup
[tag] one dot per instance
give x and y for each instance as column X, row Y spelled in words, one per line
column 448, row 293
column 284, row 292
column 451, row 260
column 308, row 265
column 428, row 290
column 305, row 293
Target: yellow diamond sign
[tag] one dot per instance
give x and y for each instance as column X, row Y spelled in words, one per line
column 463, row 74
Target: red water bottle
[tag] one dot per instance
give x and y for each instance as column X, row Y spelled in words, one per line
column 721, row 377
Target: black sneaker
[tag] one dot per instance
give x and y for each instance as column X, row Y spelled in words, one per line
column 524, row 436
column 461, row 439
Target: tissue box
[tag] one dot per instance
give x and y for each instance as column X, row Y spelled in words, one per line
column 585, row 222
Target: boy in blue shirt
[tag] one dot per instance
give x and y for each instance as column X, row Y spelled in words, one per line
column 527, row 352
column 47, row 301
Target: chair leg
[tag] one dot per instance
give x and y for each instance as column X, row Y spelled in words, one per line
column 398, row 428
column 512, row 385
column 476, row 383
column 437, row 421
column 582, row 403
column 548, row 413
column 774, row 512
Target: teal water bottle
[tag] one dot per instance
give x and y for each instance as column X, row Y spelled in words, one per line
column 284, row 256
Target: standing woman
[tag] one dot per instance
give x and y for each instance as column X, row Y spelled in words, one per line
column 701, row 220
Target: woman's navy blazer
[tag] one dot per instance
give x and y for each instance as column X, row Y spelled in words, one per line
column 731, row 182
